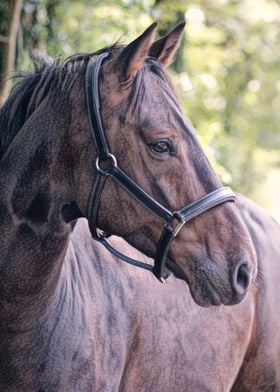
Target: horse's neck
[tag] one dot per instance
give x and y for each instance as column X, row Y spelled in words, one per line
column 34, row 240
column 32, row 231
column 35, row 348
column 30, row 261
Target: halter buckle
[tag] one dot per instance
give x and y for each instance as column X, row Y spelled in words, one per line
column 178, row 228
column 111, row 162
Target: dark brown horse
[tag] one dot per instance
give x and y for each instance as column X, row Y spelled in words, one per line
column 74, row 318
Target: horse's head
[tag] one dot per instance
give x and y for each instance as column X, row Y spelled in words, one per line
column 157, row 147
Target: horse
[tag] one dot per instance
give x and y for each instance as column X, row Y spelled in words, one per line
column 72, row 317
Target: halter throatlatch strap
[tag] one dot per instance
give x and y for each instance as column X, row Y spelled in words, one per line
column 107, row 165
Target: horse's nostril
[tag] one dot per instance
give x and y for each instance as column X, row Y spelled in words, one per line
column 242, row 277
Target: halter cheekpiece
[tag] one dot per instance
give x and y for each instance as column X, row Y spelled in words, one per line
column 107, row 165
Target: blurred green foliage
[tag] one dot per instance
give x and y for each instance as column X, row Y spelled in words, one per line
column 226, row 72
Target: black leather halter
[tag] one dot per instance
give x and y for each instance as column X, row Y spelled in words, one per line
column 106, row 165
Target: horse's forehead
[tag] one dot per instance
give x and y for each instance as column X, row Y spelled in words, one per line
column 146, row 84
column 161, row 106
column 150, row 99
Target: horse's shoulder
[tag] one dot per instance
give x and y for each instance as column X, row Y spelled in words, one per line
column 265, row 234
column 262, row 361
column 260, row 224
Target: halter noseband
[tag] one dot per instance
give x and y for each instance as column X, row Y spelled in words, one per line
column 107, row 165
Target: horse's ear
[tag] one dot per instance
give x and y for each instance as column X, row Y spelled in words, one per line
column 131, row 59
column 164, row 49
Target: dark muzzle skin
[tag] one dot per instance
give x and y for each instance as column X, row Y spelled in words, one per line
column 217, row 288
column 215, row 278
column 217, row 293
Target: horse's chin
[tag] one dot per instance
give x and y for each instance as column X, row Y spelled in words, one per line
column 213, row 298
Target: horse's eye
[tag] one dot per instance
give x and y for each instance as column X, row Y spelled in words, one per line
column 161, row 147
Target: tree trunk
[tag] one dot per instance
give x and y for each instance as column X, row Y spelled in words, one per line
column 10, row 19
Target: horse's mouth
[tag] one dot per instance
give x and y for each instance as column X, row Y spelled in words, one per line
column 209, row 292
column 205, row 294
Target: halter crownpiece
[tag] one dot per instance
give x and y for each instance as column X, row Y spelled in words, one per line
column 107, row 165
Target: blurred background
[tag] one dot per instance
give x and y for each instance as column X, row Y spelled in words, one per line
column 226, row 71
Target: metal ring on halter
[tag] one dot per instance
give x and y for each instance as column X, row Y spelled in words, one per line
column 106, row 171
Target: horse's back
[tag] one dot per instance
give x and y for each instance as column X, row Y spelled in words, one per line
column 261, row 368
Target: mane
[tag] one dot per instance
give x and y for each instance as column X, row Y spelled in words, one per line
column 33, row 87
column 49, row 76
